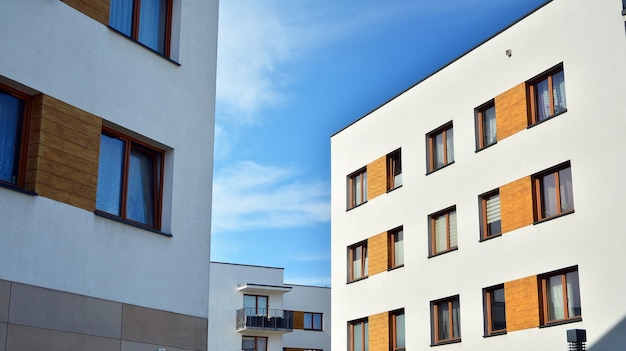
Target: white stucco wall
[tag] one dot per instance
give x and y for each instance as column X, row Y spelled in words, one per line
column 309, row 299
column 54, row 49
column 589, row 38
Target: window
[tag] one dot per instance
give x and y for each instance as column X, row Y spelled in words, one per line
column 394, row 170
column 445, row 317
column 486, row 125
column 443, row 235
column 357, row 188
column 490, row 215
column 553, row 192
column 312, row 321
column 547, row 95
column 253, row 343
column 495, row 313
column 396, row 248
column 397, row 331
column 357, row 258
column 13, row 130
column 129, row 180
column 255, row 305
column 146, row 21
column 358, row 335
column 560, row 296
column 440, row 146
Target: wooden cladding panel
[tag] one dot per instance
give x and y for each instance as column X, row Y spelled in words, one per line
column 511, row 111
column 96, row 9
column 379, row 331
column 63, row 153
column 516, row 204
column 522, row 303
column 377, row 254
column 377, row 178
column 298, row 320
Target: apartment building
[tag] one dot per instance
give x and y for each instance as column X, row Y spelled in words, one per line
column 471, row 211
column 106, row 144
column 252, row 309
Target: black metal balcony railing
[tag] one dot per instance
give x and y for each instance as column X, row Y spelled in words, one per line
column 253, row 318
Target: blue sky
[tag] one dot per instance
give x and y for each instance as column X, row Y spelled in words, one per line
column 293, row 72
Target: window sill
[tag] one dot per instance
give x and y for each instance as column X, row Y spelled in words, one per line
column 134, row 224
column 447, row 342
column 398, row 187
column 355, row 206
column 144, row 46
column 489, row 237
column 444, row 252
column 547, row 119
column 394, row 268
column 561, row 322
column 356, row 280
column 553, row 217
column 442, row 167
column 485, row 147
column 496, row 333
column 16, row 188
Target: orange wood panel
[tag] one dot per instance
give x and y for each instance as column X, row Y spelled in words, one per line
column 516, row 204
column 377, row 178
column 522, row 304
column 511, row 111
column 377, row 254
column 379, row 331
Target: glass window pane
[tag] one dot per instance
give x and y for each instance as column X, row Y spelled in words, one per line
column 110, row 170
column 456, row 319
column 249, row 303
column 398, row 248
column 356, row 263
column 261, row 344
column 438, row 151
column 452, row 225
column 11, row 112
column 308, row 321
column 573, row 295
column 440, row 234
column 498, row 315
column 121, row 16
column 556, row 309
column 558, row 92
column 443, row 319
column 262, row 304
column 140, row 205
column 489, row 126
column 565, row 188
column 317, row 321
column 542, row 98
column 400, row 336
column 358, row 337
column 548, row 195
column 152, row 18
column 450, row 145
column 366, row 345
column 247, row 343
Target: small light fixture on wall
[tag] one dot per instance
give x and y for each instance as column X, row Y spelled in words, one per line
column 508, row 52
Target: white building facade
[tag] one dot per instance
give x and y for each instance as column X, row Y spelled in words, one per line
column 251, row 308
column 106, row 144
column 471, row 211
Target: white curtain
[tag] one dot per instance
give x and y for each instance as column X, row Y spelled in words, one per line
column 152, row 24
column 440, row 234
column 489, row 126
column 567, row 193
column 400, row 336
column 444, row 321
column 556, row 309
column 121, row 16
column 450, row 145
column 548, row 193
column 140, row 202
column 542, row 97
column 558, row 92
column 456, row 319
column 573, row 296
column 398, row 248
column 452, row 224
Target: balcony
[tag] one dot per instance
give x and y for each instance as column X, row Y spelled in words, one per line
column 262, row 323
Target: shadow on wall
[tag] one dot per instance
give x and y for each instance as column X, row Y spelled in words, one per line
column 615, row 339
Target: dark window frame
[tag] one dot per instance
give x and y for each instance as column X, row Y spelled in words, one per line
column 135, row 22
column 539, row 195
column 394, row 168
column 434, row 316
column 543, row 297
column 352, row 200
column 22, row 135
column 531, row 88
column 488, row 310
column 364, row 323
column 312, row 318
column 392, row 238
column 432, row 230
column 485, row 229
column 431, row 139
column 364, row 261
column 480, row 115
column 158, row 155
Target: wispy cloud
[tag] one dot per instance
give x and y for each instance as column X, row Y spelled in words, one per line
column 323, row 281
column 249, row 196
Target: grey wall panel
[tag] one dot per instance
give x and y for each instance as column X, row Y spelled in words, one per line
column 21, row 338
column 5, row 293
